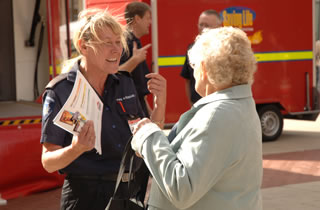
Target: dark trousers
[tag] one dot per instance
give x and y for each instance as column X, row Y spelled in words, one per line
column 89, row 194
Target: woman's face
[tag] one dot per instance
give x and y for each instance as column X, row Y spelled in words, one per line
column 107, row 55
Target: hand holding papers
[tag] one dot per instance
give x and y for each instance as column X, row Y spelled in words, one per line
column 83, row 104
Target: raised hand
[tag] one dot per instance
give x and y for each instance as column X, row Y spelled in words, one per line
column 140, row 54
column 157, row 85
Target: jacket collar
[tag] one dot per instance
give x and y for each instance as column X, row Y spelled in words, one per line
column 72, row 74
column 235, row 92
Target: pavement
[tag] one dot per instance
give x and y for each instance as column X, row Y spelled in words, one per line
column 292, row 168
column 291, row 178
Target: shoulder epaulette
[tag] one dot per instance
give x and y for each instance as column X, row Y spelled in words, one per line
column 56, row 80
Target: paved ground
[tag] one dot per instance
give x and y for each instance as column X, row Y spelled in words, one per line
column 291, row 173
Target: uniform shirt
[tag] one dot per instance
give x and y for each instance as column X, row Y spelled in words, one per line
column 187, row 73
column 139, row 73
column 214, row 161
column 115, row 131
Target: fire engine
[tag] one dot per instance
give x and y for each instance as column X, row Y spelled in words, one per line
column 37, row 39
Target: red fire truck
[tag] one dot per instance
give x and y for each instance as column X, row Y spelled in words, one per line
column 282, row 33
column 282, row 36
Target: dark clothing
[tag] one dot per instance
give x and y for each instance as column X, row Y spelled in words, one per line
column 138, row 74
column 187, row 73
column 83, row 194
column 115, row 132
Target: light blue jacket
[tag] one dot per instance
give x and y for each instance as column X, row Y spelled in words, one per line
column 215, row 160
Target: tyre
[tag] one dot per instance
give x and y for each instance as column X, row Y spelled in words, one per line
column 271, row 122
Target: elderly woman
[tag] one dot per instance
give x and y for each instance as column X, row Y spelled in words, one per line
column 213, row 157
column 90, row 178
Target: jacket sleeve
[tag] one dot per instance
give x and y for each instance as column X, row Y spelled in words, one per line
column 197, row 158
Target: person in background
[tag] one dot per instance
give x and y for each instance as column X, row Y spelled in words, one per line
column 138, row 17
column 213, row 159
column 90, row 178
column 207, row 19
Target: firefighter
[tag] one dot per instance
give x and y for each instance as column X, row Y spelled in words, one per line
column 138, row 17
column 207, row 19
column 213, row 159
column 89, row 177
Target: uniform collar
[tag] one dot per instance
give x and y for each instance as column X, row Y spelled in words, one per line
column 72, row 74
column 235, row 92
column 133, row 37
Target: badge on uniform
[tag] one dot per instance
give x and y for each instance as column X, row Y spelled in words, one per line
column 48, row 106
column 133, row 122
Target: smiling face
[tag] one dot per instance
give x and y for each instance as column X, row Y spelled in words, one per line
column 105, row 56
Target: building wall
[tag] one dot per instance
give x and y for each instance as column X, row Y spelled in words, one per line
column 25, row 57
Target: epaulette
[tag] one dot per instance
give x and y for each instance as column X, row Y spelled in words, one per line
column 124, row 73
column 56, row 80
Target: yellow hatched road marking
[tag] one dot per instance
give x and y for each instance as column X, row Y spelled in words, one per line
column 27, row 121
column 7, row 122
column 37, row 120
column 16, row 122
column 20, row 122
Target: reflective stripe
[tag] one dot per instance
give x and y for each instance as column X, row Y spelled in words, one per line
column 172, row 61
column 284, row 56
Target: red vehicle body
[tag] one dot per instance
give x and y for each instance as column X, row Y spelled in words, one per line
column 283, row 35
column 286, row 83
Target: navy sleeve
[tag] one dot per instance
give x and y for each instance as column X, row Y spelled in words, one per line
column 187, row 70
column 49, row 132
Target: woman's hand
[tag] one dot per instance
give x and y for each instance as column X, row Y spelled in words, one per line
column 140, row 54
column 55, row 157
column 86, row 139
column 140, row 124
column 157, row 85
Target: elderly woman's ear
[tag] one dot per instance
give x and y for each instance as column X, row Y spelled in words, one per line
column 200, row 73
column 203, row 72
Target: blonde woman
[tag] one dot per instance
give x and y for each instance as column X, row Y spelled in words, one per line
column 90, row 177
column 212, row 158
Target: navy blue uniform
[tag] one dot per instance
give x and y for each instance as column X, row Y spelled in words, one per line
column 115, row 133
column 139, row 73
column 187, row 73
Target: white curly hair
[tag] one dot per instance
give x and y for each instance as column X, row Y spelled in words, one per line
column 227, row 55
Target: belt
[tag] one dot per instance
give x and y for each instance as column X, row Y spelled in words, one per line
column 105, row 177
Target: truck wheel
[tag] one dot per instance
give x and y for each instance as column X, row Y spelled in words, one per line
column 271, row 122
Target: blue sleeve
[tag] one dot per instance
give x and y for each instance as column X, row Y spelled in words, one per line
column 186, row 69
column 49, row 132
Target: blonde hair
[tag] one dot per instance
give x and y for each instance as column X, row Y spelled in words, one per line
column 226, row 54
column 90, row 22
